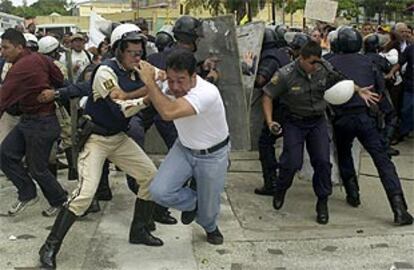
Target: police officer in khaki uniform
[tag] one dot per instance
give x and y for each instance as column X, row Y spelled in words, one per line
column 301, row 86
column 112, row 83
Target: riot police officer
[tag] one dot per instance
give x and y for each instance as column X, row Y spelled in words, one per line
column 301, row 86
column 104, row 137
column 164, row 38
column 271, row 59
column 352, row 120
column 387, row 118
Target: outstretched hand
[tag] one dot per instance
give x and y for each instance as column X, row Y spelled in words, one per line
column 368, row 96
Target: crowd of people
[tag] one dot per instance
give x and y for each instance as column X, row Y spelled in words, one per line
column 116, row 91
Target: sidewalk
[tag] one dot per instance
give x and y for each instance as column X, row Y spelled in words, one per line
column 256, row 236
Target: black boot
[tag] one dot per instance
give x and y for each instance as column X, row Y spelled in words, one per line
column 72, row 172
column 51, row 247
column 278, row 199
column 399, row 207
column 104, row 193
column 352, row 191
column 95, row 207
column 322, row 213
column 269, row 187
column 139, row 233
column 163, row 216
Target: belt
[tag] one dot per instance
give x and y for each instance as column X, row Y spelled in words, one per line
column 212, row 149
column 37, row 116
column 352, row 110
column 309, row 118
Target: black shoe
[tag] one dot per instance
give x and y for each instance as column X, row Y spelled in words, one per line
column 188, row 216
column 353, row 200
column 163, row 216
column 392, row 152
column 72, row 174
column 399, row 207
column 322, row 213
column 264, row 191
column 278, row 199
column 215, row 237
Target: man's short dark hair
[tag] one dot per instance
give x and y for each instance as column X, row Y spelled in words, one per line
column 14, row 36
column 182, row 60
column 311, row 48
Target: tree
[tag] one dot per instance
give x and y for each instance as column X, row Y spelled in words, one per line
column 6, row 6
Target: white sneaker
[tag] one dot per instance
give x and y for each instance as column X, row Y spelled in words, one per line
column 19, row 206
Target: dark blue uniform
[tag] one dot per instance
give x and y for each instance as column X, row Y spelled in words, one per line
column 407, row 110
column 353, row 121
column 270, row 61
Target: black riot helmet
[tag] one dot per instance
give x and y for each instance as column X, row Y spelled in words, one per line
column 187, row 29
column 371, row 43
column 299, row 40
column 349, row 40
column 269, row 39
column 163, row 40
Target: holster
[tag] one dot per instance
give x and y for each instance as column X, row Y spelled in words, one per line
column 83, row 132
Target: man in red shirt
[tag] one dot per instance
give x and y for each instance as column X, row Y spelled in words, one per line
column 38, row 127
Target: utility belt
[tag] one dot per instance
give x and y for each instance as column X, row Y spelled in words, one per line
column 25, row 116
column 293, row 116
column 212, row 149
column 86, row 127
column 373, row 111
column 348, row 111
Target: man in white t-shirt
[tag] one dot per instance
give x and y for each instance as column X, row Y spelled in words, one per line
column 76, row 59
column 202, row 147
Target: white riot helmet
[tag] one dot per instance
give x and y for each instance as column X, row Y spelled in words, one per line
column 48, row 44
column 31, row 41
column 126, row 31
column 340, row 93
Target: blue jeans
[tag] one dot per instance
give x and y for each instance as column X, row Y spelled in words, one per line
column 32, row 138
column 407, row 113
column 209, row 171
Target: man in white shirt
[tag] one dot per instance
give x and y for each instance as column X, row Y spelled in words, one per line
column 76, row 59
column 202, row 147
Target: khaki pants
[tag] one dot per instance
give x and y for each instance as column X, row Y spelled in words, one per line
column 120, row 150
column 65, row 126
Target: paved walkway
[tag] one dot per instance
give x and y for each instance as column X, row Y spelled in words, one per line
column 256, row 236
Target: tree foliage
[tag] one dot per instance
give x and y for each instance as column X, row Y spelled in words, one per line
column 39, row 8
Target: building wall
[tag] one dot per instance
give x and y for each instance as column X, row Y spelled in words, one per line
column 9, row 21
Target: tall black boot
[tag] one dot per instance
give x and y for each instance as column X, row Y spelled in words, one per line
column 352, row 191
column 399, row 207
column 51, row 247
column 269, row 166
column 322, row 213
column 139, row 233
column 72, row 172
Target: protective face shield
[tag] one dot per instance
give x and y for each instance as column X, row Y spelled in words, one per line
column 48, row 44
column 333, row 41
column 31, row 41
column 349, row 40
column 126, row 32
column 188, row 29
column 340, row 93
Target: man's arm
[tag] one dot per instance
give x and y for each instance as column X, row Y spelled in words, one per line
column 167, row 108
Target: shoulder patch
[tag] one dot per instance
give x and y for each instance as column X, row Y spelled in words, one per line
column 109, row 84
